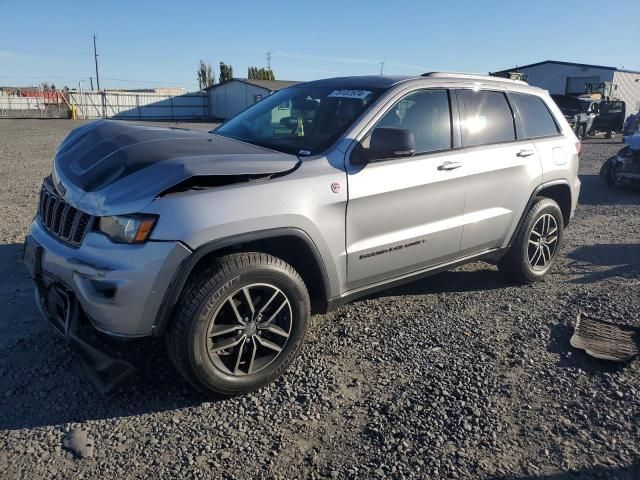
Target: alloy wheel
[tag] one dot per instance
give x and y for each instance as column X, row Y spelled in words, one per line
column 249, row 329
column 543, row 242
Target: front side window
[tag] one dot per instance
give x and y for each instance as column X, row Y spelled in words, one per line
column 486, row 118
column 426, row 114
column 536, row 118
column 300, row 120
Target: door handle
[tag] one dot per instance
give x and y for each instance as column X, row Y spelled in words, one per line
column 449, row 165
column 525, row 152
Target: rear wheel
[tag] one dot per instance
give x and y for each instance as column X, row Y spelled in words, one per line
column 536, row 246
column 240, row 323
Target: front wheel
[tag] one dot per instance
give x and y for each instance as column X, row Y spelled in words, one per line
column 240, row 323
column 536, row 245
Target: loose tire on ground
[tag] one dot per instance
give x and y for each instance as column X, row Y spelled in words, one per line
column 519, row 264
column 245, row 288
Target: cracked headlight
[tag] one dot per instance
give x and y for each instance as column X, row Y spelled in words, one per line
column 128, row 228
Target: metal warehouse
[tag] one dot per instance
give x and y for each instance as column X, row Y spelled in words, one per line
column 231, row 97
column 571, row 79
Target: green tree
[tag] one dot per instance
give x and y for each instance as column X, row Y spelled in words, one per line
column 255, row 73
column 226, row 72
column 205, row 75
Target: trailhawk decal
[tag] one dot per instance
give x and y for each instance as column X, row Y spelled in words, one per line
column 391, row 249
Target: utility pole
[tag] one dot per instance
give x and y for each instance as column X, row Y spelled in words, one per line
column 95, row 54
column 91, row 81
column 269, row 59
column 382, row 67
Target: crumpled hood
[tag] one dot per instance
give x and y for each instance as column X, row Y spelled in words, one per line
column 110, row 167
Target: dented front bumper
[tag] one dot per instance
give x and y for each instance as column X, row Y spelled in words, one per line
column 119, row 287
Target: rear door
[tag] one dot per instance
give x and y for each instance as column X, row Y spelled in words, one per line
column 405, row 214
column 539, row 126
column 503, row 170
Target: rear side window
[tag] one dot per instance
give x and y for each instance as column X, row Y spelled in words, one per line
column 486, row 118
column 536, row 117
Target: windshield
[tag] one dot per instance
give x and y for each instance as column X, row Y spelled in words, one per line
column 299, row 120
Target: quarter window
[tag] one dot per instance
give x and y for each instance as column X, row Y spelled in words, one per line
column 486, row 118
column 536, row 118
column 426, row 113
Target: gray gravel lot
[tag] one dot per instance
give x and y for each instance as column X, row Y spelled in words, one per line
column 461, row 375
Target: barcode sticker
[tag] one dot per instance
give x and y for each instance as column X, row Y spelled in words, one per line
column 360, row 94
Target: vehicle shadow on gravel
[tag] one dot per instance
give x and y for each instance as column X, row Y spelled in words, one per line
column 462, row 280
column 58, row 397
column 631, row 472
column 601, row 261
column 594, row 191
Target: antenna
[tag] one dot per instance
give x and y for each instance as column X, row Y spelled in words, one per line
column 382, row 67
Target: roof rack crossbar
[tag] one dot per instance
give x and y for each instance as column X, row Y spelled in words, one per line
column 471, row 76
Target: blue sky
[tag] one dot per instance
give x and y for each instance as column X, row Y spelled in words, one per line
column 144, row 43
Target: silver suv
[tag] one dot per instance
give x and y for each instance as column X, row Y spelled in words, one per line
column 226, row 242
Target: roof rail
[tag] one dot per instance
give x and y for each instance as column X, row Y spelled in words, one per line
column 471, row 76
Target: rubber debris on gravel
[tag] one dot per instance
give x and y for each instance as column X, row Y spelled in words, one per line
column 606, row 340
column 79, row 443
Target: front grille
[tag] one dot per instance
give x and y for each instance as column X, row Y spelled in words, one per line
column 60, row 219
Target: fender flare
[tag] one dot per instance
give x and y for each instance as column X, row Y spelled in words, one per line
column 173, row 292
column 529, row 204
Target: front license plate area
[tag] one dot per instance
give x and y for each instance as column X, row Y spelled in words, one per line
column 32, row 256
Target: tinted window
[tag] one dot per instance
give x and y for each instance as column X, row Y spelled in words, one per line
column 426, row 114
column 486, row 118
column 536, row 118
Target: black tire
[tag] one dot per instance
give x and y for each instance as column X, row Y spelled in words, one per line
column 607, row 172
column 206, row 295
column 516, row 264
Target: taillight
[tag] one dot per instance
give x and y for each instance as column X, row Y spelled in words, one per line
column 578, row 148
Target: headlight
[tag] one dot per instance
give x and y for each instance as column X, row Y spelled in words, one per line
column 128, row 228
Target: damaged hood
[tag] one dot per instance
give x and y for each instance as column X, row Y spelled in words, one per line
column 110, row 167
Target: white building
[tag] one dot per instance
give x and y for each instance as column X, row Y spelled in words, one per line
column 569, row 78
column 229, row 98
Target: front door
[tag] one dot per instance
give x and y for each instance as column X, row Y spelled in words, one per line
column 406, row 214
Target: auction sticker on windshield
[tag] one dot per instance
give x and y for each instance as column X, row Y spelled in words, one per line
column 360, row 94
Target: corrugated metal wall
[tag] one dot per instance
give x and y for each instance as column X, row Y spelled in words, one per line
column 628, row 90
column 147, row 106
column 12, row 106
column 231, row 98
column 553, row 76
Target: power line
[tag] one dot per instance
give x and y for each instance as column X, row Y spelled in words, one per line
column 382, row 63
column 326, row 59
column 43, row 52
column 76, row 77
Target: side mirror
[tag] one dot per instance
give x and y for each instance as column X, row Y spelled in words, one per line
column 390, row 142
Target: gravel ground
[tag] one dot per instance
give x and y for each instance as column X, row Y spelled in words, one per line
column 461, row 375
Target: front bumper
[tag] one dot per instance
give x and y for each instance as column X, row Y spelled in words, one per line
column 106, row 371
column 119, row 287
